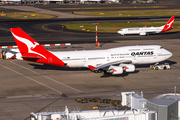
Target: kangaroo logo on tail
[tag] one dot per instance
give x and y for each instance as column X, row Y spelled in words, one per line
column 169, row 24
column 33, row 51
column 29, row 45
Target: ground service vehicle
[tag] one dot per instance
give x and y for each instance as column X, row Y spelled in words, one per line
column 164, row 66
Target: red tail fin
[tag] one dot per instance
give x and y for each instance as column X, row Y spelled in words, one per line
column 169, row 24
column 31, row 50
column 27, row 45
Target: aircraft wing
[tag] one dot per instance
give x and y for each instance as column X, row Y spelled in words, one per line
column 152, row 32
column 108, row 64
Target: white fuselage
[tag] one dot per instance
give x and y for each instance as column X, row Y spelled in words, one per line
column 137, row 54
column 141, row 31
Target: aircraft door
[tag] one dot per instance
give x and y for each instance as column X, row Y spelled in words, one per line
column 108, row 58
column 84, row 58
column 154, row 56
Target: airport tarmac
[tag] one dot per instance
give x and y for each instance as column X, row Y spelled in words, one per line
column 32, row 87
column 27, row 87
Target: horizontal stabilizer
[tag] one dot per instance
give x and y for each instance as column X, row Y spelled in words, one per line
column 31, row 57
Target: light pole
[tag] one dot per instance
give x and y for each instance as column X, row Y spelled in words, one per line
column 96, row 34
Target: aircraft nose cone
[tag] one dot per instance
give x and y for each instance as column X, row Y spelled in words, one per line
column 169, row 54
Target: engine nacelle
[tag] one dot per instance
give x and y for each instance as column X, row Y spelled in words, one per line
column 19, row 56
column 142, row 33
column 9, row 55
column 128, row 67
column 116, row 70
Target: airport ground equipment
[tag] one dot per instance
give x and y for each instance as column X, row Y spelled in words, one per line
column 164, row 66
column 94, row 107
column 115, row 103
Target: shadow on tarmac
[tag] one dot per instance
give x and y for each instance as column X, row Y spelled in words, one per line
column 51, row 67
column 121, row 75
column 148, row 65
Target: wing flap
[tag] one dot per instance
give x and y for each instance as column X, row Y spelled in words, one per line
column 91, row 67
column 107, row 65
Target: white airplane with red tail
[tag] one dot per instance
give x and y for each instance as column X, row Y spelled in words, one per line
column 115, row 60
column 148, row 30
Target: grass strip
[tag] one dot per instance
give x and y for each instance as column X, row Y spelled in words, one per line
column 27, row 15
column 134, row 7
column 130, row 13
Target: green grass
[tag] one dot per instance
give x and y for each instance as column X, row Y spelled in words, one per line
column 113, row 27
column 131, row 13
column 135, row 7
column 27, row 15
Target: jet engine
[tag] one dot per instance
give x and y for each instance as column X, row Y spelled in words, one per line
column 128, row 67
column 9, row 55
column 142, row 33
column 114, row 70
column 19, row 56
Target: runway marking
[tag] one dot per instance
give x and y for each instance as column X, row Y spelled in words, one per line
column 164, row 39
column 47, row 77
column 31, row 79
column 143, row 84
column 25, row 68
column 46, row 28
column 43, row 27
column 8, row 30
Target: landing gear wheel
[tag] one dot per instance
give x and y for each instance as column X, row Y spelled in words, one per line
column 156, row 68
column 97, row 71
column 165, row 68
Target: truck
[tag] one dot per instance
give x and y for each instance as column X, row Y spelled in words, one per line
column 158, row 66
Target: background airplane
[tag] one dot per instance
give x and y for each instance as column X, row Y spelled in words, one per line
column 115, row 60
column 148, row 30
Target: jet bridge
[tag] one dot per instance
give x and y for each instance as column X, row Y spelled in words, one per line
column 135, row 101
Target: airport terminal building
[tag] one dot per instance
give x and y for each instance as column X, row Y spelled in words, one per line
column 78, row 1
column 58, row 1
column 166, row 105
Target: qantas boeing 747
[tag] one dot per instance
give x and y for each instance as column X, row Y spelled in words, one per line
column 114, row 61
column 148, row 30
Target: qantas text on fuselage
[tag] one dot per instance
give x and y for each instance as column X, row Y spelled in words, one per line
column 115, row 60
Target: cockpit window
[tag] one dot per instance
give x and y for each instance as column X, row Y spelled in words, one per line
column 161, row 47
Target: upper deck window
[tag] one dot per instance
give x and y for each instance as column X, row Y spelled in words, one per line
column 161, row 47
column 134, row 49
column 148, row 49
